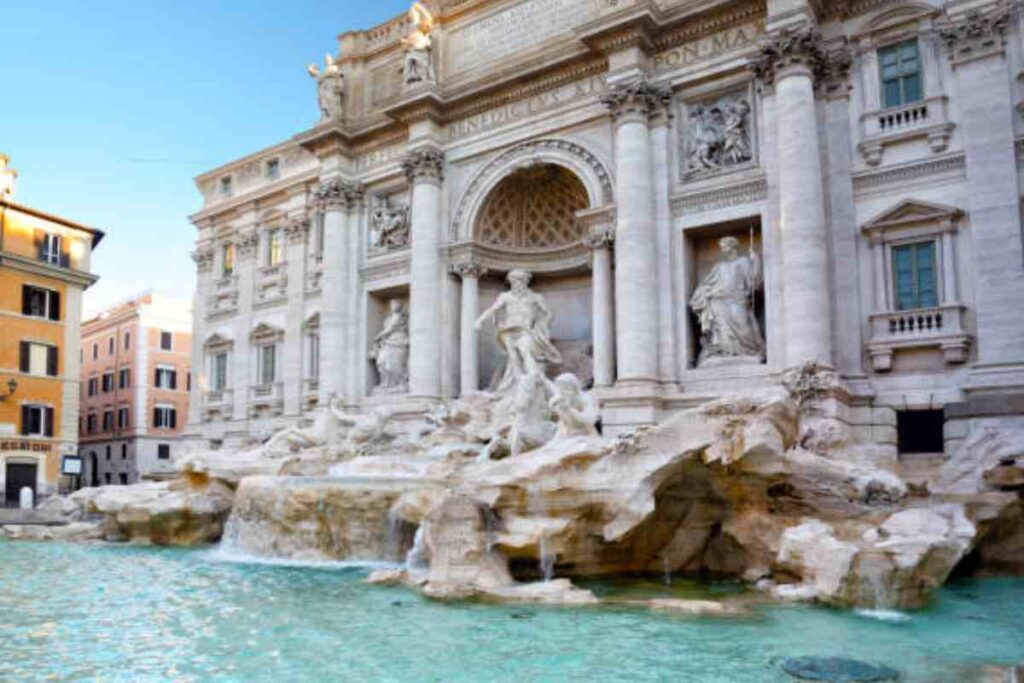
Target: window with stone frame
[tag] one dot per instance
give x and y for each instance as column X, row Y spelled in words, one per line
column 36, row 420
column 124, row 378
column 314, row 356
column 40, row 303
column 227, row 260
column 275, row 247
column 900, row 72
column 165, row 417
column 914, row 278
column 123, row 417
column 272, row 169
column 266, row 364
column 165, row 377
column 219, row 371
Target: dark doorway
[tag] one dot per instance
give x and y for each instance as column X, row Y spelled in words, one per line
column 919, row 431
column 19, row 475
column 95, row 473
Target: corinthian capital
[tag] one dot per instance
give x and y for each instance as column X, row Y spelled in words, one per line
column 203, row 257
column 638, row 99
column 599, row 237
column 338, row 194
column 789, row 48
column 297, row 229
column 425, row 163
column 468, row 270
column 976, row 35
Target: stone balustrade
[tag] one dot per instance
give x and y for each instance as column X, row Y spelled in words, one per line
column 939, row 326
column 266, row 396
column 926, row 118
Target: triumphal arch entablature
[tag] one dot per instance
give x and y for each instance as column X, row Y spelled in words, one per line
column 665, row 169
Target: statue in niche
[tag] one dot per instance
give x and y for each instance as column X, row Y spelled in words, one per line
column 523, row 323
column 720, row 135
column 723, row 303
column 391, row 350
column 330, row 89
column 418, row 66
column 389, row 227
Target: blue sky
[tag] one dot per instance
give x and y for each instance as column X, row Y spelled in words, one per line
column 109, row 109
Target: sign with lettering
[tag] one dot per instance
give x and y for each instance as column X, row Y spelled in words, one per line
column 379, row 156
column 515, row 29
column 25, row 445
column 513, row 111
column 708, row 47
column 71, row 465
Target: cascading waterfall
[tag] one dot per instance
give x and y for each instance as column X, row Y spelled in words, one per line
column 416, row 558
column 537, row 509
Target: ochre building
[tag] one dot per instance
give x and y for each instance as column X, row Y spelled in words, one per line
column 135, row 380
column 44, row 268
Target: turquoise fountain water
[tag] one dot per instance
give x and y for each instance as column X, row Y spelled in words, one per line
column 122, row 613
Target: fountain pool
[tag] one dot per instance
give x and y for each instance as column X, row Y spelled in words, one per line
column 71, row 612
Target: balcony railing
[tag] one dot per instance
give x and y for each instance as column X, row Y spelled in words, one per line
column 938, row 327
column 926, row 118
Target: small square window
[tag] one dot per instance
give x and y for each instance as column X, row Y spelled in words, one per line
column 163, row 451
column 915, row 281
column 273, row 169
column 225, row 186
column 166, row 341
column 919, row 431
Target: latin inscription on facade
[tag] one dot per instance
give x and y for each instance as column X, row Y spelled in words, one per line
column 379, row 156
column 513, row 30
column 708, row 47
column 513, row 111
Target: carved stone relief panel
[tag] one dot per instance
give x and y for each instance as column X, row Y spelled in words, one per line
column 389, row 222
column 718, row 133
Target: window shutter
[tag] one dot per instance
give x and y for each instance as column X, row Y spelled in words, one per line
column 174, row 418
column 54, row 305
column 39, row 242
column 26, row 300
column 174, row 379
column 26, row 418
column 51, row 361
column 156, row 417
column 65, row 254
column 23, row 359
column 156, row 377
column 49, row 421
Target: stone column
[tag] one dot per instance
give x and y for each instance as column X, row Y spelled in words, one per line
column 424, row 168
column 790, row 63
column 246, row 247
column 204, row 260
column 949, row 288
column 636, row 281
column 881, row 291
column 333, row 198
column 668, row 354
column 469, row 362
column 292, row 376
column 977, row 47
column 600, row 241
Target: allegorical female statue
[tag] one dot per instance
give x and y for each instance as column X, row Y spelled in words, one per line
column 391, row 350
column 524, row 330
column 723, row 303
column 330, row 89
column 418, row 66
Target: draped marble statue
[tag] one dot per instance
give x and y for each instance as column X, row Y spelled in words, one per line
column 330, row 89
column 418, row 66
column 576, row 410
column 391, row 350
column 523, row 323
column 723, row 303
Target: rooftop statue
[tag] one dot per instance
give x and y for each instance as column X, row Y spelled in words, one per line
column 330, row 89
column 723, row 303
column 523, row 323
column 418, row 66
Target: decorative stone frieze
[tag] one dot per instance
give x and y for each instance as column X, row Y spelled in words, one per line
column 975, row 36
column 389, row 225
column 424, row 164
column 245, row 244
column 338, row 194
column 297, row 229
column 467, row 270
column 203, row 258
column 635, row 99
column 718, row 134
column 790, row 48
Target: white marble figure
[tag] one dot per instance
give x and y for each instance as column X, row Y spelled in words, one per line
column 391, row 350
column 389, row 228
column 328, row 422
column 723, row 304
column 720, row 135
column 365, row 429
column 529, row 425
column 575, row 409
column 523, row 323
column 418, row 66
column 330, row 89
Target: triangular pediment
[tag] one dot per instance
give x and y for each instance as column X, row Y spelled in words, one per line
column 312, row 322
column 217, row 339
column 912, row 212
column 266, row 331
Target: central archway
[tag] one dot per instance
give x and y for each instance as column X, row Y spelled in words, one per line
column 533, row 208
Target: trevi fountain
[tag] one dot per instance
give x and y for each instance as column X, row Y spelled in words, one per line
column 710, row 488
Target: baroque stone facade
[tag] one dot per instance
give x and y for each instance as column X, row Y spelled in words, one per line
column 705, row 198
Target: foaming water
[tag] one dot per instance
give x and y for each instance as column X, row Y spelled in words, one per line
column 890, row 615
column 225, row 554
column 142, row 614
